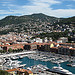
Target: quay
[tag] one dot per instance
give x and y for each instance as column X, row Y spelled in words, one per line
column 13, row 54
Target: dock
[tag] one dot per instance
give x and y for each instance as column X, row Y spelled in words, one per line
column 20, row 53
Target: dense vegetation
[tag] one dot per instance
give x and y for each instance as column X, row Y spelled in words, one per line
column 35, row 23
column 54, row 35
column 9, row 20
column 34, row 17
column 11, row 50
column 70, row 20
column 4, row 72
column 6, row 31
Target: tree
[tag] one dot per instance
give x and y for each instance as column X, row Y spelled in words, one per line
column 1, row 51
column 4, row 72
column 9, row 50
column 26, row 73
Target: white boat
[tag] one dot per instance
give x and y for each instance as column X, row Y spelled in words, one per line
column 55, row 62
column 72, row 64
column 13, row 64
column 16, row 61
column 21, row 57
column 61, row 70
column 29, row 68
column 14, row 57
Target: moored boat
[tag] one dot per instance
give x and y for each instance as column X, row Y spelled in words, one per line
column 61, row 70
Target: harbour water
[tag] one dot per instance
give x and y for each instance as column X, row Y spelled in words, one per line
column 31, row 62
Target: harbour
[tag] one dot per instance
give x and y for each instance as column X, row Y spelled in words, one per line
column 35, row 58
column 47, row 60
column 31, row 62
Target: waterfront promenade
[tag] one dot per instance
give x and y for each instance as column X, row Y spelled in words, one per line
column 13, row 54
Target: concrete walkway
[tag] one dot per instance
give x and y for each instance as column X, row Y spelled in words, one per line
column 13, row 54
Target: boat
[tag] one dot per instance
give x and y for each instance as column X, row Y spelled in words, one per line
column 21, row 57
column 61, row 70
column 72, row 64
column 28, row 68
column 14, row 57
column 13, row 64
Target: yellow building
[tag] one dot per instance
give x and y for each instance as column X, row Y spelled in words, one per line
column 51, row 45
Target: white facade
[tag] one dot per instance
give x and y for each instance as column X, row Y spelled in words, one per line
column 45, row 40
column 59, row 41
column 38, row 40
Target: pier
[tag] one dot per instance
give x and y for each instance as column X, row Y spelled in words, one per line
column 13, row 54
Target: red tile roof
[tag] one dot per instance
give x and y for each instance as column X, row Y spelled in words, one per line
column 20, row 70
column 10, row 70
column 68, row 43
column 72, row 48
column 23, row 70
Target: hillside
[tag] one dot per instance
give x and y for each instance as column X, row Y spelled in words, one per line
column 70, row 20
column 35, row 23
column 24, row 19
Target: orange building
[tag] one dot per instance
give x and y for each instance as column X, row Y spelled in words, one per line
column 14, row 46
column 30, row 46
column 66, row 50
column 19, row 71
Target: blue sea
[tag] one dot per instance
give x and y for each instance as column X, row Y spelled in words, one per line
column 31, row 62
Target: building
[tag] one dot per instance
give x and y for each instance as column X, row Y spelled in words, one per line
column 13, row 47
column 72, row 51
column 45, row 40
column 38, row 40
column 48, row 47
column 68, row 44
column 59, row 41
column 19, row 71
column 54, row 49
column 50, row 39
column 64, row 39
column 63, row 50
column 30, row 46
column 24, row 72
column 41, row 46
column 66, row 50
column 12, row 71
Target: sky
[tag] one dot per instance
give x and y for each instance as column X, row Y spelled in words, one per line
column 57, row 8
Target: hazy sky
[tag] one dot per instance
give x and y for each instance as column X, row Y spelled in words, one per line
column 57, row 8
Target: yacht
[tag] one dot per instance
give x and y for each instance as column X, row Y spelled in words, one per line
column 61, row 70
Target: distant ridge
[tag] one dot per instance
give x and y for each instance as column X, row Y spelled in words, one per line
column 9, row 20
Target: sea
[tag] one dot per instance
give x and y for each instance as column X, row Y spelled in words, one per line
column 50, row 65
